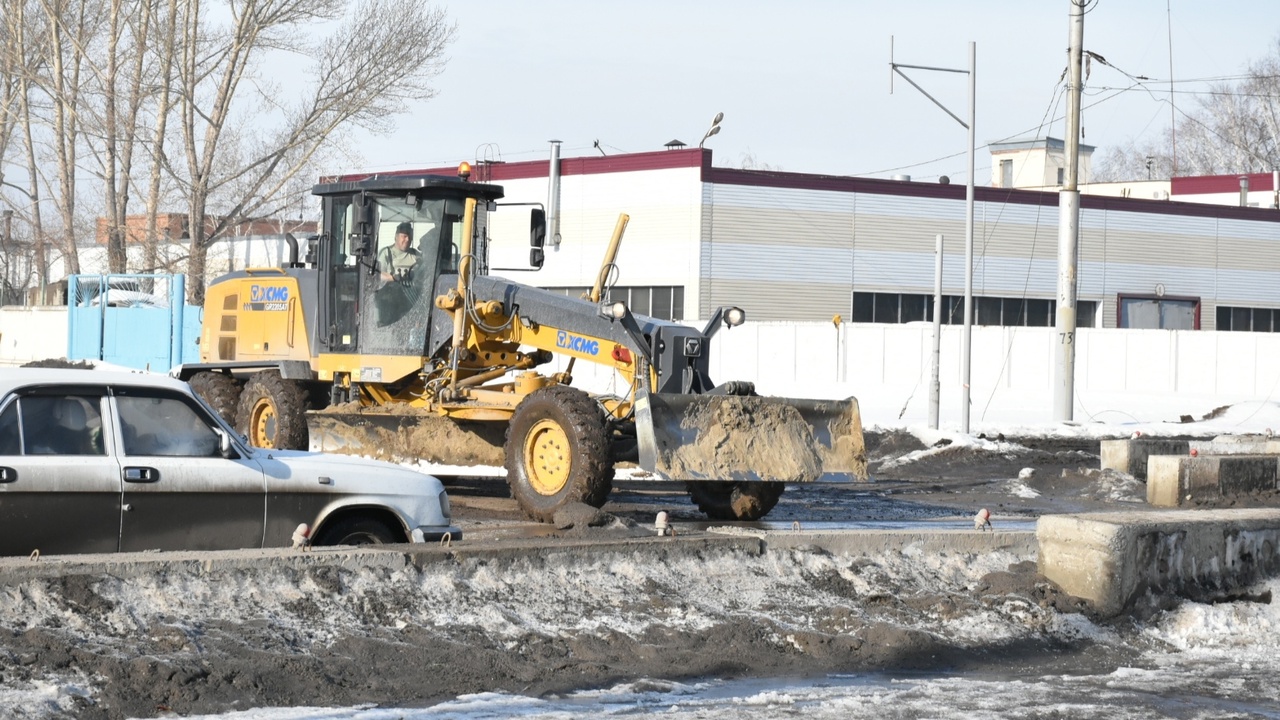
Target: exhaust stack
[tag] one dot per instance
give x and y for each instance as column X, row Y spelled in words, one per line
column 553, row 195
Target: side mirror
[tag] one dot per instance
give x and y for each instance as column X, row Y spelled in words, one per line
column 224, row 445
column 313, row 242
column 537, row 237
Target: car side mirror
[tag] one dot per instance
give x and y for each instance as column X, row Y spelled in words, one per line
column 224, row 445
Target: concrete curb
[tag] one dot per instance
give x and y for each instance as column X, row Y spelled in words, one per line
column 397, row 557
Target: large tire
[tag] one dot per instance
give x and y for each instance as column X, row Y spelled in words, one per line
column 735, row 500
column 359, row 530
column 273, row 412
column 558, row 452
column 220, row 391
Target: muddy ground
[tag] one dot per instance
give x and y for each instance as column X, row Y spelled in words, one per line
column 325, row 637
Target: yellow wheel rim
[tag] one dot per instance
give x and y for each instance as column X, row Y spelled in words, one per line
column 262, row 424
column 546, row 457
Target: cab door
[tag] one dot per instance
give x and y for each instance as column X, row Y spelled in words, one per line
column 179, row 492
column 340, row 272
column 59, row 483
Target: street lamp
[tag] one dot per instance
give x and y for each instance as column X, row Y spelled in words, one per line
column 715, row 128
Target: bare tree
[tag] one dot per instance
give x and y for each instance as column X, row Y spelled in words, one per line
column 242, row 153
column 71, row 26
column 1235, row 128
column 165, row 52
column 25, row 55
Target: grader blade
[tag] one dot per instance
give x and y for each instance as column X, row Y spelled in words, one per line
column 750, row 438
column 402, row 436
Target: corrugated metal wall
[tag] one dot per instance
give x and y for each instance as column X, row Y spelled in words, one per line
column 794, row 254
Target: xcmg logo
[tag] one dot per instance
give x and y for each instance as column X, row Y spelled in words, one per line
column 268, row 293
column 577, row 343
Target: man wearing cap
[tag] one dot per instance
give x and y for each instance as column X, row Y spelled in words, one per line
column 397, row 261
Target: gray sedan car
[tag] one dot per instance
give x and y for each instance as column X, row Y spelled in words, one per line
column 103, row 461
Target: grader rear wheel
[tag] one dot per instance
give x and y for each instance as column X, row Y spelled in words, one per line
column 220, row 391
column 273, row 412
column 558, row 452
column 735, row 500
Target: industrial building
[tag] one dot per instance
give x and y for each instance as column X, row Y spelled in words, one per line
column 805, row 247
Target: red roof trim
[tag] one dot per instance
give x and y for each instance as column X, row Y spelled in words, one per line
column 1212, row 184
column 878, row 186
column 630, row 162
column 701, row 158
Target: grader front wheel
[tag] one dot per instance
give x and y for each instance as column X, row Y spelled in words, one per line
column 273, row 412
column 558, row 452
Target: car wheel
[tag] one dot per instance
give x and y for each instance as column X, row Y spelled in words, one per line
column 273, row 412
column 735, row 500
column 558, row 452
column 220, row 391
column 358, row 530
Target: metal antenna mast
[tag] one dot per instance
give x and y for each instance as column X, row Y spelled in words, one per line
column 967, row 337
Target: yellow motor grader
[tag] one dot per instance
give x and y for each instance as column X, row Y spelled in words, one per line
column 439, row 361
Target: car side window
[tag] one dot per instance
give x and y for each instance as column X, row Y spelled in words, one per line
column 61, row 425
column 10, row 439
column 154, row 424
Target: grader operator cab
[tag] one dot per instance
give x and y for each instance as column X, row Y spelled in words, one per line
column 393, row 339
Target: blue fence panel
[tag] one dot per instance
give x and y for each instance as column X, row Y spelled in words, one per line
column 192, row 317
column 137, row 321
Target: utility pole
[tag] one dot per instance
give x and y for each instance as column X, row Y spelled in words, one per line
column 1069, row 228
column 966, row 340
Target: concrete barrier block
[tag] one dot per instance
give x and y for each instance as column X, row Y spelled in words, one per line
column 1131, row 456
column 1114, row 560
column 1237, row 445
column 1164, row 480
column 1175, row 481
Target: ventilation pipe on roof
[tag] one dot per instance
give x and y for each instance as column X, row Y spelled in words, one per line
column 902, row 178
column 553, row 195
column 1244, row 191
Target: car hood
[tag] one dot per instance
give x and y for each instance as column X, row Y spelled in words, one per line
column 347, row 468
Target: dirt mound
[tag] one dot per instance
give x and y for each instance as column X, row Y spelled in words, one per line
column 60, row 363
column 891, row 443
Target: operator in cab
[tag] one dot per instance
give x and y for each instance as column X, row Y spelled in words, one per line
column 396, row 262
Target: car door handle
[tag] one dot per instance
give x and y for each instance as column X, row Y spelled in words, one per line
column 141, row 474
column 8, row 474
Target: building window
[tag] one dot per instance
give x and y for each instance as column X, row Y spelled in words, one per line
column 1243, row 319
column 1020, row 312
column 661, row 302
column 1062, row 176
column 1006, row 173
column 1152, row 312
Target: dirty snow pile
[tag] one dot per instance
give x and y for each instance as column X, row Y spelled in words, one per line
column 798, row 599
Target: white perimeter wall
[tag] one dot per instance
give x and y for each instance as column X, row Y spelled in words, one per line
column 28, row 334
column 1121, row 375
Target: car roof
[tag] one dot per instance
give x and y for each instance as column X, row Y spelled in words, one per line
column 13, row 378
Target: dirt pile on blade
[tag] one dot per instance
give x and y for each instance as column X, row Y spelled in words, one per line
column 744, row 437
column 402, row 435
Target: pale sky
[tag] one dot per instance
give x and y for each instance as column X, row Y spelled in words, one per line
column 804, row 84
